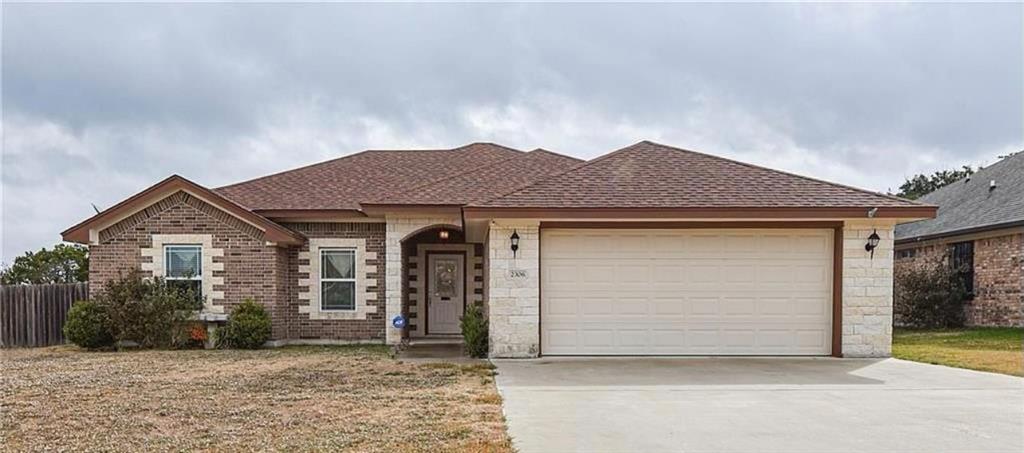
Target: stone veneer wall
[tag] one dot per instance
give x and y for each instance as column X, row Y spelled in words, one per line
column 366, row 325
column 397, row 229
column 867, row 290
column 514, row 300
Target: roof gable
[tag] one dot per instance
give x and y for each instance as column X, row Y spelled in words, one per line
column 88, row 230
column 341, row 184
column 650, row 175
column 970, row 204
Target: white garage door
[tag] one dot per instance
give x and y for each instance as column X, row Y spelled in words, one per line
column 700, row 292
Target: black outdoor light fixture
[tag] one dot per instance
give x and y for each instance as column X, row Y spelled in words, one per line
column 872, row 243
column 443, row 234
column 515, row 242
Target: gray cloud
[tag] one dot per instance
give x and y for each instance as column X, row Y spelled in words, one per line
column 107, row 99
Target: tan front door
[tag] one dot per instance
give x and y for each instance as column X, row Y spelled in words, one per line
column 445, row 297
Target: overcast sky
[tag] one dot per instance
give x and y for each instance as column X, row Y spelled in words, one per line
column 101, row 101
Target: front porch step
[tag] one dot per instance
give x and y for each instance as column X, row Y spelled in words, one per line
column 434, row 340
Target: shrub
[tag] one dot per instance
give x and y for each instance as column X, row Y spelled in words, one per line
column 88, row 326
column 930, row 294
column 147, row 312
column 474, row 331
column 248, row 327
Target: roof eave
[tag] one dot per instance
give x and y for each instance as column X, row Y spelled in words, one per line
column 903, row 213
column 960, row 232
column 376, row 209
column 81, row 233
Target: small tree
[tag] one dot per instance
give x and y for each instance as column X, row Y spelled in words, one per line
column 474, row 331
column 921, row 185
column 64, row 264
column 929, row 294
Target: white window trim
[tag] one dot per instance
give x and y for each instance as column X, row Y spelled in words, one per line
column 309, row 293
column 169, row 247
column 211, row 298
column 355, row 271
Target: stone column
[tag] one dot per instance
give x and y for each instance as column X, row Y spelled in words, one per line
column 514, row 290
column 867, row 290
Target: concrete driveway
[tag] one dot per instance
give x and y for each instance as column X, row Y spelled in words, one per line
column 752, row 404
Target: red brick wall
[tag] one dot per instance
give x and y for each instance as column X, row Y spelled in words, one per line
column 268, row 274
column 998, row 278
column 299, row 324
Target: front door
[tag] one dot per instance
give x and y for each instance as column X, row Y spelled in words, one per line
column 445, row 297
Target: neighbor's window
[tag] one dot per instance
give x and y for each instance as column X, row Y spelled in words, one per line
column 962, row 259
column 906, row 253
column 183, row 268
column 337, row 279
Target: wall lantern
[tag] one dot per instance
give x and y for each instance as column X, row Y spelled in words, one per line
column 443, row 234
column 515, row 242
column 872, row 243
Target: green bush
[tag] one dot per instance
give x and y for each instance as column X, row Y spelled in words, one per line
column 88, row 326
column 474, row 331
column 930, row 294
column 248, row 327
column 148, row 312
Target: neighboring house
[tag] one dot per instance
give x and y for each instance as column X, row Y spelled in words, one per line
column 646, row 250
column 980, row 227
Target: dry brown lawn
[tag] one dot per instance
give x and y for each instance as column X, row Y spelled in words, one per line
column 295, row 399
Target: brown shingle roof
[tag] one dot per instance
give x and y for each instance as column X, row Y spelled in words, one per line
column 345, row 182
column 650, row 175
column 485, row 183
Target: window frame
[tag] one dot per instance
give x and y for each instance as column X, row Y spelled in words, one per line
column 961, row 258
column 322, row 279
column 195, row 278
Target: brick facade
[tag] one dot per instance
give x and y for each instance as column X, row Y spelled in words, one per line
column 247, row 265
column 300, row 326
column 998, row 276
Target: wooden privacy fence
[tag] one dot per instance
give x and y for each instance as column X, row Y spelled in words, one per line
column 33, row 315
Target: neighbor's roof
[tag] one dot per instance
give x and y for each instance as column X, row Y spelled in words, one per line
column 487, row 182
column 341, row 184
column 650, row 175
column 970, row 205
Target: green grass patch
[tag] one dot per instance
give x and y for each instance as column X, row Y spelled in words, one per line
column 999, row 350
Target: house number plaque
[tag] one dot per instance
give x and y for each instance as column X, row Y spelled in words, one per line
column 517, row 273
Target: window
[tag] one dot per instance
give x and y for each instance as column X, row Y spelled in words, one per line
column 906, row 253
column 183, row 268
column 337, row 279
column 962, row 259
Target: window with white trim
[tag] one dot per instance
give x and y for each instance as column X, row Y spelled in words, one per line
column 337, row 279
column 183, row 268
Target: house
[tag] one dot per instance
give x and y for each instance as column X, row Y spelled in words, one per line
column 980, row 227
column 648, row 250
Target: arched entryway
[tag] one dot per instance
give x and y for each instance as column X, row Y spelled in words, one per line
column 442, row 274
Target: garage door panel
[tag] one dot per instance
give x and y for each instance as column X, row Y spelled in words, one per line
column 686, row 292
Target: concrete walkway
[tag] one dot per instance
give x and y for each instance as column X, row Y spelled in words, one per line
column 752, row 404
